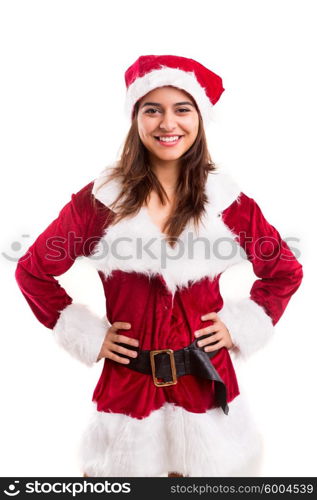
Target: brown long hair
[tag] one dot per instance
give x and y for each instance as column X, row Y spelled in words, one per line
column 138, row 180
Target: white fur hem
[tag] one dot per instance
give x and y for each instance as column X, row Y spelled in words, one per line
column 171, row 439
column 249, row 326
column 80, row 332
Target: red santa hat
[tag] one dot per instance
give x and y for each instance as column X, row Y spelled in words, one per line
column 149, row 72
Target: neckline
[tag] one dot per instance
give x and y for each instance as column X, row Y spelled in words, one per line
column 221, row 191
column 162, row 235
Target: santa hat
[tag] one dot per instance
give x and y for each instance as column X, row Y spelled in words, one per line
column 149, row 72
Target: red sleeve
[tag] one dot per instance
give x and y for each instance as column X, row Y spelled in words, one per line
column 72, row 234
column 279, row 272
column 251, row 320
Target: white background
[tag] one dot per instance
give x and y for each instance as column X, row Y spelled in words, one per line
column 62, row 120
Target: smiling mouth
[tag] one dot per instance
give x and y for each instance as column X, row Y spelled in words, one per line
column 168, row 141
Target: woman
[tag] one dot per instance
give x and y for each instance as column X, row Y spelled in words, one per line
column 153, row 225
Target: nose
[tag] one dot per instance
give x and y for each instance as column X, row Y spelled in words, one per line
column 168, row 121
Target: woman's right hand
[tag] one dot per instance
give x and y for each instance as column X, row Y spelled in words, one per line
column 110, row 347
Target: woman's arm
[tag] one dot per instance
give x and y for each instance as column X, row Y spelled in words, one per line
column 69, row 236
column 251, row 320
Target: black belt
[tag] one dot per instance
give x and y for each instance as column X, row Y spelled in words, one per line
column 168, row 365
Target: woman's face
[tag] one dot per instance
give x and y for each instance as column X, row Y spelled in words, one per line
column 168, row 123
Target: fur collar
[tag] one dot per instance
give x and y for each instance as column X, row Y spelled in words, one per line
column 221, row 189
column 137, row 245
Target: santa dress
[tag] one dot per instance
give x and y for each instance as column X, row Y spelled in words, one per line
column 137, row 428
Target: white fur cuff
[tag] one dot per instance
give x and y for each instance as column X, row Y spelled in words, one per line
column 80, row 332
column 249, row 325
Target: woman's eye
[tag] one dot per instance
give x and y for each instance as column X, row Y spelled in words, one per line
column 152, row 111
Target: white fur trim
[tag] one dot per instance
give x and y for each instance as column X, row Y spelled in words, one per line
column 106, row 193
column 249, row 326
column 169, row 76
column 80, row 332
column 221, row 188
column 136, row 243
column 170, row 439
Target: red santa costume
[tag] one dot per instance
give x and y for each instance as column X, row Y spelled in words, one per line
column 137, row 428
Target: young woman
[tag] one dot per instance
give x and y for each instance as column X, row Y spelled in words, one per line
column 156, row 225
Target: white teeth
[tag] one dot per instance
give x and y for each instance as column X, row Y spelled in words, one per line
column 169, row 139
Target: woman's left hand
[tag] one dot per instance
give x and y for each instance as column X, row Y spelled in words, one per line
column 219, row 331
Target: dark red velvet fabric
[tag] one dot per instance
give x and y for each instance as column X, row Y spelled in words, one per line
column 160, row 323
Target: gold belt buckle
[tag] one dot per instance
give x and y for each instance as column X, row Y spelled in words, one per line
column 170, row 352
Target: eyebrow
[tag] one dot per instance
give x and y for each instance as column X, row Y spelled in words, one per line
column 159, row 105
